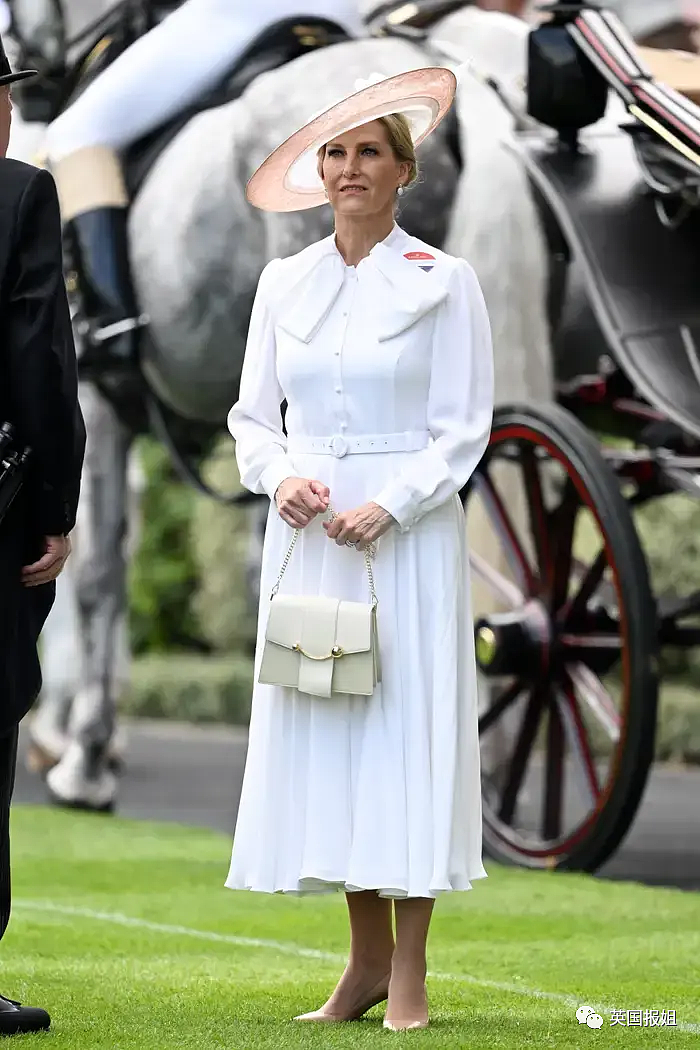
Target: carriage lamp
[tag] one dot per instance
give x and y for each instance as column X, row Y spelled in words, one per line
column 517, row 642
column 486, row 645
column 565, row 91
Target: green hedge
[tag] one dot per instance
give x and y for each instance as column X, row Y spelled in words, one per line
column 669, row 529
column 188, row 588
column 190, row 688
column 219, row 538
column 163, row 575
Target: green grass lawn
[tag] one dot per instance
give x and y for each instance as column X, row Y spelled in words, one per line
column 124, row 932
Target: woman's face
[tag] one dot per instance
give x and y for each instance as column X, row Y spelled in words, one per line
column 361, row 173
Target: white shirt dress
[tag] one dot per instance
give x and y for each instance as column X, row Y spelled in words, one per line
column 387, row 371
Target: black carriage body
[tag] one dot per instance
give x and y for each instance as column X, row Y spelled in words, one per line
column 620, row 208
column 630, row 297
column 574, row 638
column 625, row 324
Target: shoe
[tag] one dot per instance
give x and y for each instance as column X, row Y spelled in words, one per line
column 98, row 243
column 398, row 1026
column 16, row 1019
column 376, row 996
column 76, row 782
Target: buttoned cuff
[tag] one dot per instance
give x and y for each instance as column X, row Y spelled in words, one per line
column 275, row 473
column 396, row 504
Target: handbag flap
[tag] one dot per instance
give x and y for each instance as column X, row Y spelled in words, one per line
column 299, row 620
column 353, row 632
column 317, row 623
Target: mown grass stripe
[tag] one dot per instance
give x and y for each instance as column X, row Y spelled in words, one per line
column 115, row 918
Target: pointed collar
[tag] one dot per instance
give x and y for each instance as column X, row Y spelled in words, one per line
column 402, row 292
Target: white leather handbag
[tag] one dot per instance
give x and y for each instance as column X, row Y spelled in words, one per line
column 321, row 646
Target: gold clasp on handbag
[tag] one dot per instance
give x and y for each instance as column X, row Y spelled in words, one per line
column 335, row 652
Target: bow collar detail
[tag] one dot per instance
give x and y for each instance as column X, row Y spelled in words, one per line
column 401, row 293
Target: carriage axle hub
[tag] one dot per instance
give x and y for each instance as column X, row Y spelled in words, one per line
column 517, row 642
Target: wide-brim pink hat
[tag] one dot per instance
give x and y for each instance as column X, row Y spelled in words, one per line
column 288, row 179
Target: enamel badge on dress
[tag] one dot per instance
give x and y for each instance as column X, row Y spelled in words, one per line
column 422, row 259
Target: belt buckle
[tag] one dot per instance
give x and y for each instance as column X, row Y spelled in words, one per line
column 338, row 446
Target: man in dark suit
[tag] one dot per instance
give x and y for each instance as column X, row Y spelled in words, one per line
column 39, row 397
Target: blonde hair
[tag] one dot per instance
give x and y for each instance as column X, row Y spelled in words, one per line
column 398, row 133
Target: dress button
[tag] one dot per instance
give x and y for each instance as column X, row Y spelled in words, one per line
column 343, row 426
column 339, row 390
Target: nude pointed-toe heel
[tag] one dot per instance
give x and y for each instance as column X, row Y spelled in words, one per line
column 398, row 1026
column 318, row 1015
column 374, row 999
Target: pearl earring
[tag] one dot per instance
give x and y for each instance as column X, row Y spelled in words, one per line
column 400, row 191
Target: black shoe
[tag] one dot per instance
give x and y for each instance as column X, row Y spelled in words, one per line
column 16, row 1019
column 98, row 246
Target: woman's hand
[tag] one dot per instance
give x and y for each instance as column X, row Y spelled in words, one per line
column 299, row 500
column 359, row 527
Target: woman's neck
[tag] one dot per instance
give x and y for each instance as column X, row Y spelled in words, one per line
column 355, row 237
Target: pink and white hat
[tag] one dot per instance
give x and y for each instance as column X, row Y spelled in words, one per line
column 288, row 179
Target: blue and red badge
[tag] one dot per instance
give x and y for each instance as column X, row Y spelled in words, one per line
column 422, row 259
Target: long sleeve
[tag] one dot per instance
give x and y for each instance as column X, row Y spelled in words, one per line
column 41, row 361
column 255, row 421
column 460, row 406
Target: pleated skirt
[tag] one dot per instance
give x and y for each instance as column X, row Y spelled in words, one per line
column 382, row 792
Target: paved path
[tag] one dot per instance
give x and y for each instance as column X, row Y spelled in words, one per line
column 193, row 775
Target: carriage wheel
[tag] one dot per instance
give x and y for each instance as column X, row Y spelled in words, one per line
column 566, row 644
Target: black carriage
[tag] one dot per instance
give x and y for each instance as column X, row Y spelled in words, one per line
column 567, row 630
column 576, row 651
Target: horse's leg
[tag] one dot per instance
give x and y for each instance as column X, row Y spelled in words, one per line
column 61, row 656
column 83, row 777
column 122, row 651
column 59, row 663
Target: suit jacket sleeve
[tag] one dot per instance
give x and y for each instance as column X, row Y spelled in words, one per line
column 459, row 410
column 43, row 372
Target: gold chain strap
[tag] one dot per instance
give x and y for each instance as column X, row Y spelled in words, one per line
column 370, row 551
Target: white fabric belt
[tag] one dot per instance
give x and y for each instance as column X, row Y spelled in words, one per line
column 339, row 445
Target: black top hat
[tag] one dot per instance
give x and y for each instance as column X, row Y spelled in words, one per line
column 6, row 74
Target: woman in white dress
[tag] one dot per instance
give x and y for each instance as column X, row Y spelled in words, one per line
column 381, row 346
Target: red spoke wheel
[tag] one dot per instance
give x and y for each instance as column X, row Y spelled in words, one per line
column 566, row 644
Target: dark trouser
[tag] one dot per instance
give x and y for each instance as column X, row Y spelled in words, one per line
column 8, row 762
